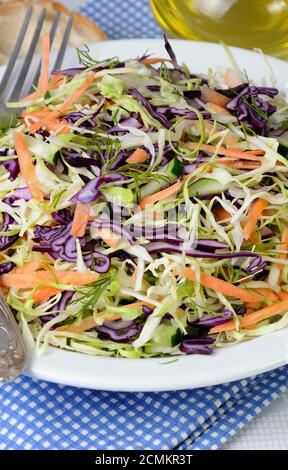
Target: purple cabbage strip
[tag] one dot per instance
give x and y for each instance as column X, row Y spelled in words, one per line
column 12, row 165
column 243, row 106
column 7, row 241
column 151, row 109
column 19, row 193
column 119, row 333
column 209, row 321
column 190, row 167
column 170, row 51
column 63, row 216
column 59, row 243
column 76, row 115
column 255, row 265
column 7, row 267
column 196, row 345
column 90, row 192
column 69, row 72
column 73, row 158
column 58, row 307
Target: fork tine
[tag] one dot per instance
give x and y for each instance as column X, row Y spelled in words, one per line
column 15, row 52
column 52, row 36
column 28, row 58
column 61, row 53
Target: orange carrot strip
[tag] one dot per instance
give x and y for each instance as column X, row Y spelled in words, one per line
column 215, row 97
column 77, row 94
column 37, row 113
column 227, row 152
column 218, row 285
column 139, row 156
column 253, row 216
column 266, row 294
column 255, row 317
column 108, row 237
column 61, row 127
column 282, row 295
column 221, row 214
column 44, row 121
column 55, row 83
column 215, row 108
column 44, row 73
column 239, row 165
column 27, row 168
column 29, row 281
column 28, row 267
column 44, row 293
column 232, row 78
column 283, row 247
column 80, row 219
column 159, row 196
column 154, row 60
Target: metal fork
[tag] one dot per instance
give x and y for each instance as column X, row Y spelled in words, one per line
column 16, row 93
column 13, row 353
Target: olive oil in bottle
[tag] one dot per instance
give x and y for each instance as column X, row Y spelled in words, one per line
column 244, row 23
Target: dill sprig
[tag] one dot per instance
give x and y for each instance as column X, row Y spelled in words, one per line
column 89, row 294
column 85, row 59
column 6, row 124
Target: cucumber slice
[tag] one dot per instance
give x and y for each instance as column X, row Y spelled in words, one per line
column 206, row 186
column 45, row 150
column 172, row 170
column 283, row 150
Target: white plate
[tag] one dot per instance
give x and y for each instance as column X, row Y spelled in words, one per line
column 225, row 365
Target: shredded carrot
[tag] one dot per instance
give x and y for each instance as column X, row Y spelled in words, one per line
column 282, row 295
column 108, row 237
column 44, row 293
column 27, row 168
column 216, row 108
column 159, row 196
column 80, row 219
column 255, row 317
column 154, row 60
column 218, row 285
column 29, row 281
column 89, row 322
column 239, row 165
column 253, row 216
column 59, row 127
column 44, row 121
column 232, row 78
column 266, row 294
column 28, row 267
column 221, row 214
column 227, row 152
column 77, row 94
column 52, row 85
column 138, row 156
column 283, row 247
column 36, row 113
column 215, row 97
column 44, row 73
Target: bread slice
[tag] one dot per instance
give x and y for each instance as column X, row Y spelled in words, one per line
column 12, row 14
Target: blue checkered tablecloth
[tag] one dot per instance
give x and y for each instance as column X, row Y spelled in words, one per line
column 40, row 415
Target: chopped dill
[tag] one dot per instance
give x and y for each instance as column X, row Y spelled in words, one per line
column 89, row 294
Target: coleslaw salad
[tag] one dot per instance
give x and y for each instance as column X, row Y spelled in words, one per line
column 144, row 209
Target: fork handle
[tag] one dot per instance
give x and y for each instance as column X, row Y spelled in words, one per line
column 13, row 354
